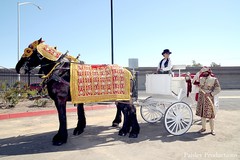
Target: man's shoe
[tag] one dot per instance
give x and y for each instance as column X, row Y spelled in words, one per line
column 213, row 133
column 202, row 130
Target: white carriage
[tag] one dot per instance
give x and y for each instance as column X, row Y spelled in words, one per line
column 168, row 100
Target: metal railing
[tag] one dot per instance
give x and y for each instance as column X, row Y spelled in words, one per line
column 10, row 77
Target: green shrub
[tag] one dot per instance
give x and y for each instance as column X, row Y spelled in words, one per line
column 11, row 95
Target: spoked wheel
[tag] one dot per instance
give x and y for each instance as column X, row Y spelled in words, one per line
column 152, row 112
column 178, row 118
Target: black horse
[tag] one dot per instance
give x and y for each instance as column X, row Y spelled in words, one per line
column 57, row 82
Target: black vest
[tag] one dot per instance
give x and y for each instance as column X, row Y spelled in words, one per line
column 165, row 64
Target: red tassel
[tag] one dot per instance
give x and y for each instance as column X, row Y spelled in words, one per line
column 189, row 87
column 196, row 97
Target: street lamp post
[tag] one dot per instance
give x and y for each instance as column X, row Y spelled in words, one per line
column 18, row 20
column 112, row 49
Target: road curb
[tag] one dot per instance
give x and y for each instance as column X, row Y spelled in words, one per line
column 48, row 112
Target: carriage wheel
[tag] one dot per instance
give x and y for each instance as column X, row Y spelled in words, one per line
column 152, row 113
column 178, row 118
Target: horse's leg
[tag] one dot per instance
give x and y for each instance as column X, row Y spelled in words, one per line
column 126, row 123
column 62, row 135
column 81, row 120
column 134, row 123
column 118, row 117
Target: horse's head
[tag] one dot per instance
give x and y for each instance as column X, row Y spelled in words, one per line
column 36, row 54
column 29, row 59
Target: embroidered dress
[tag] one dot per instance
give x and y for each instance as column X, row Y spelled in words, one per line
column 205, row 105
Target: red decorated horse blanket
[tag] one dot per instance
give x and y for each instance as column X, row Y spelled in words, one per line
column 95, row 83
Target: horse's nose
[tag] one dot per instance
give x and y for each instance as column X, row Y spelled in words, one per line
column 19, row 65
column 22, row 71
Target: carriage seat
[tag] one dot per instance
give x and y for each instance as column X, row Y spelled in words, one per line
column 179, row 68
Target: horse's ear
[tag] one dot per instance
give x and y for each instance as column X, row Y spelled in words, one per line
column 40, row 40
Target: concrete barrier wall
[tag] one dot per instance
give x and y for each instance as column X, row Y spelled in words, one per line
column 229, row 77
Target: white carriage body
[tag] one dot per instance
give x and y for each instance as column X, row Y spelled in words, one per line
column 165, row 84
column 169, row 100
column 165, row 101
column 158, row 84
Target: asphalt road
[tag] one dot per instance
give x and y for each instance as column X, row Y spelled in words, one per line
column 30, row 138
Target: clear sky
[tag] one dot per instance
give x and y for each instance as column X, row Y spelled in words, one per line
column 202, row 30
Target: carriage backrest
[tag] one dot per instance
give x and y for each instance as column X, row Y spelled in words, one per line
column 179, row 68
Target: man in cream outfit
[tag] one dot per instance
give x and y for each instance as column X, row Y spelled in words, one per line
column 208, row 88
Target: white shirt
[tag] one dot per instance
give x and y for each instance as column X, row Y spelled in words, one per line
column 168, row 68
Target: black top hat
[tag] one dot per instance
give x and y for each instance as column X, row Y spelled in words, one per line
column 166, row 51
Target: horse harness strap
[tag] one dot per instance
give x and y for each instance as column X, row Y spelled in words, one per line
column 59, row 79
column 54, row 67
column 47, row 76
column 52, row 76
column 40, row 56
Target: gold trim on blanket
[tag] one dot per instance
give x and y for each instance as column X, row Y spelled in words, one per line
column 95, row 83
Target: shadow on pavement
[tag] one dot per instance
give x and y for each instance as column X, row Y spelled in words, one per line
column 94, row 136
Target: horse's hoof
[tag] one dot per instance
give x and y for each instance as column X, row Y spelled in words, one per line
column 59, row 140
column 77, row 131
column 133, row 135
column 115, row 125
column 121, row 133
column 59, row 143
